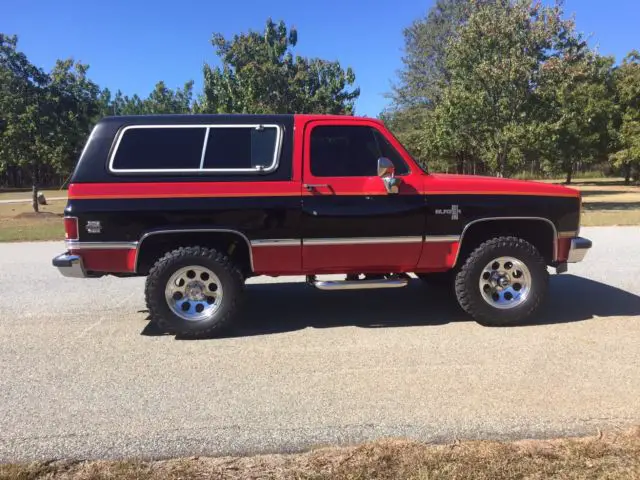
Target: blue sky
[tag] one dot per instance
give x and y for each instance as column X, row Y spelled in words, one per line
column 132, row 44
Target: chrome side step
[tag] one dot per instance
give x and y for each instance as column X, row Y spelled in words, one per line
column 394, row 282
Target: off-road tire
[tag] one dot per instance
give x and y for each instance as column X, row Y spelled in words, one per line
column 467, row 282
column 228, row 273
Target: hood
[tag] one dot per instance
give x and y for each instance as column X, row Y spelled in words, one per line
column 470, row 184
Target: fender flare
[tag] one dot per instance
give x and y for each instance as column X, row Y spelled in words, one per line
column 495, row 219
column 192, row 230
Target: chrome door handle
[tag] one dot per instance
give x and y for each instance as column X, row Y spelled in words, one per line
column 311, row 186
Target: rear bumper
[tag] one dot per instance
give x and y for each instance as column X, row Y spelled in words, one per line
column 579, row 248
column 70, row 265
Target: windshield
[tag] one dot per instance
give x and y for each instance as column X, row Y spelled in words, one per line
column 418, row 163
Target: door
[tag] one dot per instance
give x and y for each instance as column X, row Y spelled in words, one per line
column 350, row 222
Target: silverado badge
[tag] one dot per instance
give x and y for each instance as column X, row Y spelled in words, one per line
column 454, row 211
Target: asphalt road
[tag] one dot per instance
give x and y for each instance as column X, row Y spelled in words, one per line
column 82, row 374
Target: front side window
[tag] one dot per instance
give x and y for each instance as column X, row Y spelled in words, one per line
column 350, row 151
column 211, row 148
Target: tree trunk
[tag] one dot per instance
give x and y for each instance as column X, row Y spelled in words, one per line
column 500, row 161
column 569, row 173
column 460, row 163
column 627, row 173
column 34, row 187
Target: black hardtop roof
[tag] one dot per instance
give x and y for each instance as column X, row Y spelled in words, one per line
column 165, row 119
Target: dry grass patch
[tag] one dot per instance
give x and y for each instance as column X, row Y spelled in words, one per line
column 26, row 194
column 608, row 201
column 18, row 222
column 610, row 456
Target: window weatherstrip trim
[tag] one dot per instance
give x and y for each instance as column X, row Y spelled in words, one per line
column 274, row 163
column 204, row 148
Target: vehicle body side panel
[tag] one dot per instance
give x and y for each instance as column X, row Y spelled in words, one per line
column 352, row 226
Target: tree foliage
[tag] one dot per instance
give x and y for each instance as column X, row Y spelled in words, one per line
column 499, row 86
column 424, row 71
column 259, row 74
column 627, row 138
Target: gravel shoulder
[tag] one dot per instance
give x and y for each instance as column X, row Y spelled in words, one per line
column 85, row 376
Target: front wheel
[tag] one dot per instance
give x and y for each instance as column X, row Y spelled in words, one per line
column 193, row 291
column 503, row 282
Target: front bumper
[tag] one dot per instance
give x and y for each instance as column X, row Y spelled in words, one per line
column 579, row 248
column 70, row 265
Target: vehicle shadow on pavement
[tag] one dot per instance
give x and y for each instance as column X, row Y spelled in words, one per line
column 286, row 307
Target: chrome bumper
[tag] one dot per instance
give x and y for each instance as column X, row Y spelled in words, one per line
column 579, row 248
column 70, row 265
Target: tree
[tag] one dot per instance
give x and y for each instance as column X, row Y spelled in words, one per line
column 162, row 100
column 627, row 145
column 424, row 71
column 582, row 102
column 165, row 100
column 422, row 79
column 499, row 67
column 260, row 75
column 47, row 115
column 74, row 108
column 25, row 111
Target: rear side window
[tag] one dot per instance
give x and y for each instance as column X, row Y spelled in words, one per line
column 159, row 149
column 240, row 148
column 202, row 148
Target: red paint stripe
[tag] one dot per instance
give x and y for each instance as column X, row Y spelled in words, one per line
column 182, row 189
column 244, row 189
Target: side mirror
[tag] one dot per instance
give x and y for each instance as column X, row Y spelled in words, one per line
column 387, row 171
column 386, row 168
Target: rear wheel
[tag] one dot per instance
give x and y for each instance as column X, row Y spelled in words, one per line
column 502, row 282
column 193, row 291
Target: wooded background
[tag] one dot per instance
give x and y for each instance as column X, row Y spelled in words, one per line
column 493, row 87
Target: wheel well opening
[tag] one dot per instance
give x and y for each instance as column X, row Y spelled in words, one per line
column 231, row 244
column 539, row 233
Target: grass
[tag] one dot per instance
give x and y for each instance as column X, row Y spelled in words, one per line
column 26, row 194
column 19, row 222
column 607, row 201
column 611, row 456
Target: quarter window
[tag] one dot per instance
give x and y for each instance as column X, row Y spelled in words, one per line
column 350, row 151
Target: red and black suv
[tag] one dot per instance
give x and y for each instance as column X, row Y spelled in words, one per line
column 199, row 203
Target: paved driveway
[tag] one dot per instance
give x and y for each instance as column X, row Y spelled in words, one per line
column 82, row 374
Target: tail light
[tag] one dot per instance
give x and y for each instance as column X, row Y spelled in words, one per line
column 71, row 228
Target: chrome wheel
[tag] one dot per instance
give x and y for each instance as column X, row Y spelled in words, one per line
column 194, row 293
column 505, row 282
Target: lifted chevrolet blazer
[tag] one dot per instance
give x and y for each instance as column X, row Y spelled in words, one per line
column 199, row 203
